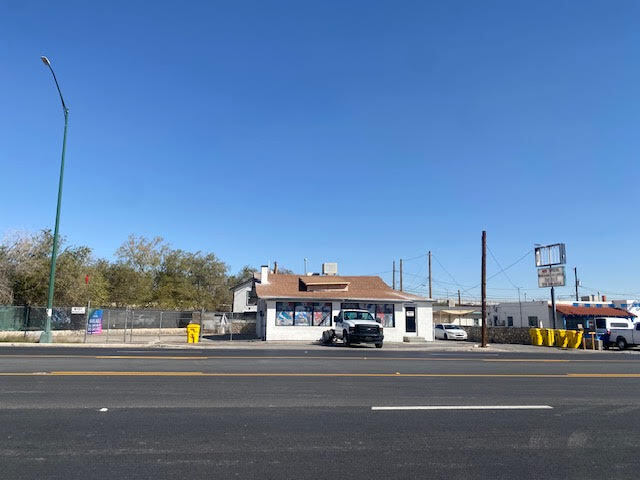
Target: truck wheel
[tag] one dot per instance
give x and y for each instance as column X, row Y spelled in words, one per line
column 622, row 343
column 378, row 345
column 345, row 338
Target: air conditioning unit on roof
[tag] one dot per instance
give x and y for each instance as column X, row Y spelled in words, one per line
column 330, row 269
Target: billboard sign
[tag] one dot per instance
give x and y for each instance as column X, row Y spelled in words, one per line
column 551, row 277
column 547, row 255
column 94, row 325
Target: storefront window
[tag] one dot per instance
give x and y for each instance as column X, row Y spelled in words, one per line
column 284, row 313
column 321, row 314
column 382, row 312
column 303, row 313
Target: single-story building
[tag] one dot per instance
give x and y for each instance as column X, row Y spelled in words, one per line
column 244, row 298
column 301, row 307
column 568, row 314
column 468, row 315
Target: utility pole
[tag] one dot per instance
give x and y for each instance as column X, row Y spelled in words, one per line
column 394, row 274
column 305, row 266
column 430, row 293
column 575, row 273
column 401, row 275
column 459, row 301
column 520, row 303
column 483, row 290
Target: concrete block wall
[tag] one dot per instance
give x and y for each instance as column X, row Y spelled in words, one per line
column 500, row 335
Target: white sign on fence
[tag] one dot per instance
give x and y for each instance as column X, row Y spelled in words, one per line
column 551, row 277
column 78, row 310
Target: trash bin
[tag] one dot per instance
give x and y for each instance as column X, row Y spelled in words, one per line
column 536, row 336
column 548, row 337
column 193, row 333
column 576, row 341
column 561, row 338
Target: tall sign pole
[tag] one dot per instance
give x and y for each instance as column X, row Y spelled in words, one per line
column 484, row 288
column 553, row 306
column 550, row 260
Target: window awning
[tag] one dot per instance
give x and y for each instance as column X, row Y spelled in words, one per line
column 456, row 312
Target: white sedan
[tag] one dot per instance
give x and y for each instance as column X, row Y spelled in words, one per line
column 447, row 331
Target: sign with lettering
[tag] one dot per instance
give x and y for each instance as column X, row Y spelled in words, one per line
column 94, row 325
column 551, row 277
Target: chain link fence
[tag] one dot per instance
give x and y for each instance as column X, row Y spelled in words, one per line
column 121, row 325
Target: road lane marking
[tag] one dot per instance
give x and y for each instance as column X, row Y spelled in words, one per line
column 150, row 357
column 554, row 360
column 108, row 373
column 319, row 357
column 468, row 407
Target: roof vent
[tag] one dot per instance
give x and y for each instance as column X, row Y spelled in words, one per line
column 330, row 269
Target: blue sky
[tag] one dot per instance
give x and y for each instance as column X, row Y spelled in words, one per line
column 358, row 132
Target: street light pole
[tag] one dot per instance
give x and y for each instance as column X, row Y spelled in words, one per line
column 46, row 336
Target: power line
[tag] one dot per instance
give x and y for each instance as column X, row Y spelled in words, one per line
column 510, row 266
column 501, row 269
column 446, row 271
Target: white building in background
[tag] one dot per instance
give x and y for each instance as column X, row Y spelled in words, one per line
column 569, row 314
column 244, row 298
column 301, row 307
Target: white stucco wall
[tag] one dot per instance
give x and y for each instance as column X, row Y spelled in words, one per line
column 240, row 299
column 424, row 324
column 286, row 332
column 538, row 309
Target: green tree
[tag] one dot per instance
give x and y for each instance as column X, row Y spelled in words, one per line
column 26, row 260
column 191, row 281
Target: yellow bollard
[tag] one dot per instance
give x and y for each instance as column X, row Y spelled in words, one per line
column 549, row 332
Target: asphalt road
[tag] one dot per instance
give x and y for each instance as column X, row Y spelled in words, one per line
column 293, row 414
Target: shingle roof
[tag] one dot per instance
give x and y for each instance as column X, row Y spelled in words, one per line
column 572, row 311
column 360, row 288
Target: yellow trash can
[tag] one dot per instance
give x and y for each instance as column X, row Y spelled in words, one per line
column 561, row 338
column 576, row 341
column 193, row 333
column 570, row 337
column 536, row 336
column 548, row 337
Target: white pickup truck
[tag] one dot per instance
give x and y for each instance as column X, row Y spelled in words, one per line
column 355, row 326
column 625, row 337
